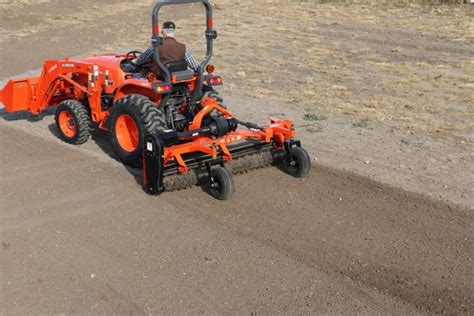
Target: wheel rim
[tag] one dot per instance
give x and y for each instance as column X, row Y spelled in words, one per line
column 67, row 124
column 294, row 165
column 126, row 131
column 215, row 187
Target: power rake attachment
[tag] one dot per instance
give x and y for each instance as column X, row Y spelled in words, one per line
column 217, row 151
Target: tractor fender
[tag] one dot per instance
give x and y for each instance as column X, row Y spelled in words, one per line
column 136, row 86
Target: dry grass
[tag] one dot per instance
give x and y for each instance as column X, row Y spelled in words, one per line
column 283, row 55
column 388, row 2
column 331, row 57
column 22, row 2
column 57, row 20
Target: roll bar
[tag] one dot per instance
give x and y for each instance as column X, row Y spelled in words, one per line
column 156, row 41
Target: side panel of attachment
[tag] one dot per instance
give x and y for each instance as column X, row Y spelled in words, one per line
column 153, row 164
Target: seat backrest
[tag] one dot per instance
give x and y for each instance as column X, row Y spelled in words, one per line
column 178, row 71
column 175, row 66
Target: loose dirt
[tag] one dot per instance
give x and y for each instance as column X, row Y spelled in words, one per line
column 79, row 235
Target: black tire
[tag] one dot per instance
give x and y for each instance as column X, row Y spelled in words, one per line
column 301, row 164
column 79, row 119
column 147, row 117
column 222, row 183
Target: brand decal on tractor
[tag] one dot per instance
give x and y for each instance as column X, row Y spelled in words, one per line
column 53, row 68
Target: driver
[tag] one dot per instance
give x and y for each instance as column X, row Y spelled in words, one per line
column 170, row 50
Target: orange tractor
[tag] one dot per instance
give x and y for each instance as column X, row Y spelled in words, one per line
column 172, row 124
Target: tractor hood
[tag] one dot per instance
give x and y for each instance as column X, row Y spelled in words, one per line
column 108, row 61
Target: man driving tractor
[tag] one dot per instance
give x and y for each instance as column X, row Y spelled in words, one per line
column 171, row 50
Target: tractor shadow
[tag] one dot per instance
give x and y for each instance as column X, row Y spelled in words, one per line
column 24, row 115
column 98, row 136
column 101, row 139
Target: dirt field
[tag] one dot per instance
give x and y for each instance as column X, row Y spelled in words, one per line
column 382, row 97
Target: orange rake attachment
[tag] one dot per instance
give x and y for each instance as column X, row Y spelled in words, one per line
column 216, row 152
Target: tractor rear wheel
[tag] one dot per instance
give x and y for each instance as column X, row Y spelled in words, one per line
column 73, row 122
column 132, row 117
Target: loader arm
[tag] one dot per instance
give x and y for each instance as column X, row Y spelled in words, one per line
column 55, row 78
column 56, row 83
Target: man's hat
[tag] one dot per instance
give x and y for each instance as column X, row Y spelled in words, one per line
column 169, row 25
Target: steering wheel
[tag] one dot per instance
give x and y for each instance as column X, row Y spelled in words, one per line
column 131, row 55
column 127, row 65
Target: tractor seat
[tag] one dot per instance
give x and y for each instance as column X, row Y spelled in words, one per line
column 178, row 71
column 178, row 65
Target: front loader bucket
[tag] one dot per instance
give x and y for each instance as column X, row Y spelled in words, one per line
column 17, row 94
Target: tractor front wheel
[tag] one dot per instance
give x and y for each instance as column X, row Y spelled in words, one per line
column 132, row 117
column 73, row 122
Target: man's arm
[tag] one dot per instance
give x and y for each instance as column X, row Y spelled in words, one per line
column 145, row 58
column 191, row 61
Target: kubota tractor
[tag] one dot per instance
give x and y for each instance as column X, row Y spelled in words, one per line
column 173, row 124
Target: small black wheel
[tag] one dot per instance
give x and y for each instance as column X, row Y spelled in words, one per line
column 222, row 183
column 301, row 164
column 73, row 122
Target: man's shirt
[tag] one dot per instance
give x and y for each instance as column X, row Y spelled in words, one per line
column 147, row 57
